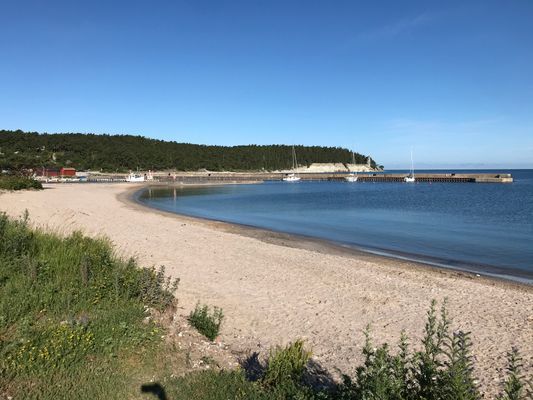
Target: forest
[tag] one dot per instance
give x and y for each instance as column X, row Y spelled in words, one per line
column 109, row 153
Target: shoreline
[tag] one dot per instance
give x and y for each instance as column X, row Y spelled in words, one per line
column 275, row 288
column 321, row 245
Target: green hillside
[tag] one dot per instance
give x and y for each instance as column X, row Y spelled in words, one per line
column 20, row 149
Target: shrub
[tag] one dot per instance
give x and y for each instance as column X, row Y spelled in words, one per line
column 16, row 237
column 286, row 365
column 382, row 376
column 156, row 289
column 514, row 385
column 206, row 322
column 457, row 378
column 9, row 182
column 442, row 370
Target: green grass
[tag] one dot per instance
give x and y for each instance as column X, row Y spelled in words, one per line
column 71, row 316
column 205, row 321
column 11, row 182
column 223, row 385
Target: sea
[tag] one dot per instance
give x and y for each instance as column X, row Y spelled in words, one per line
column 482, row 228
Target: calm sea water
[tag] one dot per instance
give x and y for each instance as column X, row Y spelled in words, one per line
column 485, row 228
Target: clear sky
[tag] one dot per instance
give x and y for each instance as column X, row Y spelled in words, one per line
column 452, row 79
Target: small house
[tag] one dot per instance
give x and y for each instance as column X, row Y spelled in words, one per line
column 67, row 172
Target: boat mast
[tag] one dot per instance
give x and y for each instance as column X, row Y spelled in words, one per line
column 294, row 162
column 412, row 165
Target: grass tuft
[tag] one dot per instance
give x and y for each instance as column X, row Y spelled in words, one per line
column 206, row 322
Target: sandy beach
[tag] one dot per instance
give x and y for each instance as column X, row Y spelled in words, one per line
column 274, row 288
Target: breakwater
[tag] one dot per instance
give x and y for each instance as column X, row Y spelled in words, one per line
column 362, row 177
column 244, row 177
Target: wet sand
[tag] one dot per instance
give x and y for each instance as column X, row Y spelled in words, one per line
column 275, row 287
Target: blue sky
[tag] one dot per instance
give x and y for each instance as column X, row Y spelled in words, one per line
column 452, row 79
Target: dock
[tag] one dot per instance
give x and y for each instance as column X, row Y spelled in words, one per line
column 249, row 177
column 236, row 177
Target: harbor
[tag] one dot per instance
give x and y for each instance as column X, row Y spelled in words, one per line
column 223, row 177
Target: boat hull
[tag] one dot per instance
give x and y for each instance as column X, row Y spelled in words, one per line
column 291, row 178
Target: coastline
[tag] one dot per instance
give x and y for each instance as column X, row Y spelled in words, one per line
column 275, row 288
column 320, row 245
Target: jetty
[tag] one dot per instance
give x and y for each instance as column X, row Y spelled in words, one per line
column 245, row 177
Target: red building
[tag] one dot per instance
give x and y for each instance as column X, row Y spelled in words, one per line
column 49, row 172
column 67, row 172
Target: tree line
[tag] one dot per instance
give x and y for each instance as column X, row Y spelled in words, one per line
column 20, row 150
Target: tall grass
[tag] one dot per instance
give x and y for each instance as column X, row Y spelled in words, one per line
column 71, row 312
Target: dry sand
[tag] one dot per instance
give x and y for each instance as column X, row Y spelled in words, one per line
column 275, row 288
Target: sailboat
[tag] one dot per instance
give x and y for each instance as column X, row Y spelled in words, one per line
column 411, row 177
column 293, row 177
column 353, row 176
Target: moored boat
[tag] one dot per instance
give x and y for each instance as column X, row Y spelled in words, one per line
column 411, row 177
column 293, row 177
column 353, row 175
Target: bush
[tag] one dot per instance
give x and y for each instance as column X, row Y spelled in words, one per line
column 286, row 365
column 10, row 182
column 156, row 289
column 514, row 386
column 206, row 322
column 442, row 370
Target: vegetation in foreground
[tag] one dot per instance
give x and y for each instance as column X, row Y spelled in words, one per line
column 123, row 152
column 16, row 182
column 442, row 370
column 73, row 325
column 72, row 317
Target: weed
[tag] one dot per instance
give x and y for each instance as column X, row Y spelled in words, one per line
column 514, row 385
column 286, row 365
column 206, row 322
column 156, row 289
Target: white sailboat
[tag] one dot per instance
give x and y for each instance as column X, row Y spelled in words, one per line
column 411, row 177
column 293, row 177
column 353, row 175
